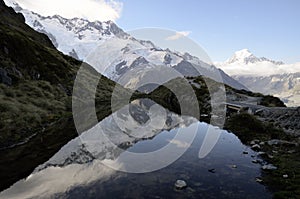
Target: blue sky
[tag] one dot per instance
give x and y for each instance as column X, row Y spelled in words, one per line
column 269, row 28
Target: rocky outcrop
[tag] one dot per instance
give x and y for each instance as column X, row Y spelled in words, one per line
column 286, row 118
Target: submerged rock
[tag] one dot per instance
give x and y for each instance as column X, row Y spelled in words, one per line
column 258, row 179
column 180, row 184
column 257, row 161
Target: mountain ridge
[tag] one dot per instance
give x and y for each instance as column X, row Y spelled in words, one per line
column 79, row 38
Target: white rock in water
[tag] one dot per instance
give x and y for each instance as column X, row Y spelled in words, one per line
column 269, row 167
column 258, row 179
column 285, row 176
column 180, row 184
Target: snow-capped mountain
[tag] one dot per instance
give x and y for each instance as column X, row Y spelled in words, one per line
column 244, row 62
column 119, row 51
column 246, row 57
column 76, row 37
column 265, row 76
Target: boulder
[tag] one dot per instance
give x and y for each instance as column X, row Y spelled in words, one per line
column 180, row 184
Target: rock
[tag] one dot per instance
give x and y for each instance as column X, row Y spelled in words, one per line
column 257, row 161
column 281, row 142
column 269, row 167
column 245, row 152
column 273, row 142
column 234, row 166
column 261, row 153
column 4, row 77
column 270, row 156
column 258, row 179
column 255, row 147
column 253, row 142
column 291, row 151
column 212, row 170
column 262, row 143
column 180, row 184
column 285, row 176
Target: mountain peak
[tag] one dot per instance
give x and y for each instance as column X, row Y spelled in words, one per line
column 245, row 56
column 242, row 56
column 243, row 53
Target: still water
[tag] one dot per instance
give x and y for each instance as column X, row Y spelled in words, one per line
column 139, row 152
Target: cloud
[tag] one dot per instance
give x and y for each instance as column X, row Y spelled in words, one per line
column 259, row 69
column 179, row 144
column 178, row 35
column 92, row 10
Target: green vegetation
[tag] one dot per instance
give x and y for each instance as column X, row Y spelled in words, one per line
column 195, row 97
column 271, row 101
column 247, row 127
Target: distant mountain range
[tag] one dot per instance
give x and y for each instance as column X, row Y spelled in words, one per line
column 266, row 76
column 79, row 37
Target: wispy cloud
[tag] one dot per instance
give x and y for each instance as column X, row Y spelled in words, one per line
column 178, row 35
column 179, row 144
column 102, row 10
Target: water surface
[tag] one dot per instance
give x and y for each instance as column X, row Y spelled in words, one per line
column 79, row 169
